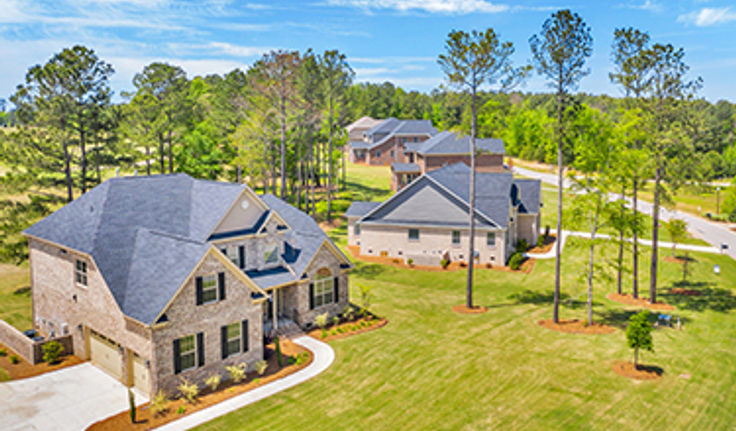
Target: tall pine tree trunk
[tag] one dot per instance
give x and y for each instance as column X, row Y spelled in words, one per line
column 558, row 249
column 283, row 145
column 330, row 169
column 171, row 155
column 148, row 160
column 67, row 164
column 471, row 210
column 635, row 226
column 161, row 152
column 312, row 175
column 655, row 236
column 591, row 260
column 620, row 258
column 83, row 148
column 344, row 167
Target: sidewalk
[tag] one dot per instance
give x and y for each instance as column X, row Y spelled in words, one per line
column 323, row 358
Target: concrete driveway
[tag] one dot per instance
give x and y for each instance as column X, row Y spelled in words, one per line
column 68, row 399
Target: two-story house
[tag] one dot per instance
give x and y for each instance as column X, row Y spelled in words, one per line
column 385, row 143
column 427, row 221
column 443, row 149
column 163, row 277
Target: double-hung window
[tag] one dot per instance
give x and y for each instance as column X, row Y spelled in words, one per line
column 232, row 339
column 209, row 288
column 356, row 229
column 456, row 237
column 413, row 234
column 232, row 254
column 272, row 253
column 491, row 239
column 80, row 272
column 323, row 291
column 187, row 353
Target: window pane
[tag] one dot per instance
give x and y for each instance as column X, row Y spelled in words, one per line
column 186, row 344
column 187, row 361
column 232, row 254
column 357, row 229
column 456, row 237
column 491, row 238
column 413, row 233
column 233, row 331
column 233, row 347
column 272, row 254
column 209, row 295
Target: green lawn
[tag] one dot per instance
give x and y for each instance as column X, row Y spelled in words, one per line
column 433, row 369
column 15, row 301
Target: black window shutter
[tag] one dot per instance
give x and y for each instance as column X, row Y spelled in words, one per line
column 241, row 256
column 336, row 286
column 244, row 334
column 177, row 357
column 311, row 296
column 200, row 349
column 223, row 341
column 221, row 284
column 199, row 290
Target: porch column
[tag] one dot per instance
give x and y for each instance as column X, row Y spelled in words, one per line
column 275, row 309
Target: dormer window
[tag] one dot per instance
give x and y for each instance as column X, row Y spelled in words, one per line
column 272, row 253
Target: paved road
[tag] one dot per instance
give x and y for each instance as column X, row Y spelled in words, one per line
column 713, row 233
column 323, row 357
column 68, row 399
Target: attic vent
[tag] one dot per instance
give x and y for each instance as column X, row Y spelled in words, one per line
column 244, row 204
column 163, row 319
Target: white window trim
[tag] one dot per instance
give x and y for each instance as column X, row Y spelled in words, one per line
column 494, row 240
column 459, row 238
column 238, row 338
column 235, row 257
column 193, row 352
column 83, row 273
column 323, row 287
column 215, row 287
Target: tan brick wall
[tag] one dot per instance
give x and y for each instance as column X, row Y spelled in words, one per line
column 433, row 241
column 396, row 145
column 57, row 299
column 483, row 163
column 187, row 318
column 255, row 246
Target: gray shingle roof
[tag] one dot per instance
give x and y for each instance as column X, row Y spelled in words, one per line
column 360, row 145
column 530, row 195
column 405, row 168
column 387, row 129
column 452, row 143
column 135, row 226
column 360, row 208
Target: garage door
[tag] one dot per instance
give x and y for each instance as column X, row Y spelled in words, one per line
column 140, row 374
column 105, row 354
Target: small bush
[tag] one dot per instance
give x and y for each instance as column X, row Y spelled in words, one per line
column 335, row 320
column 324, row 333
column 255, row 381
column 51, row 351
column 291, row 360
column 333, row 332
column 237, row 372
column 181, row 410
column 261, row 366
column 515, row 261
column 541, row 241
column 4, row 375
column 159, row 403
column 188, row 390
column 410, row 261
column 131, row 405
column 522, row 245
column 444, row 263
column 321, row 320
column 348, row 312
column 14, row 359
column 213, row 381
column 3, row 352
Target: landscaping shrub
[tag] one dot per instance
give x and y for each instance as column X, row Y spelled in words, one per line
column 237, row 372
column 131, row 405
column 261, row 366
column 14, row 359
column 181, row 410
column 348, row 312
column 291, row 360
column 3, row 352
column 321, row 322
column 365, row 298
column 546, row 231
column 333, row 332
column 213, row 381
column 159, row 403
column 279, row 359
column 522, row 245
column 335, row 320
column 639, row 334
column 541, row 241
column 4, row 375
column 515, row 261
column 444, row 263
column 188, row 390
column 51, row 351
column 410, row 261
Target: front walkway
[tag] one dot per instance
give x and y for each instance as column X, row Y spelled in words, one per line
column 323, row 357
column 68, row 399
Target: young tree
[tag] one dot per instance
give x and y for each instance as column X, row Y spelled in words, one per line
column 559, row 52
column 470, row 61
column 632, row 73
column 337, row 77
column 639, row 334
column 677, row 228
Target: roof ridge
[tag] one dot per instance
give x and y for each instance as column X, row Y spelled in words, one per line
column 168, row 235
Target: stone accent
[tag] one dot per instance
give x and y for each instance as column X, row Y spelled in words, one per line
column 187, row 318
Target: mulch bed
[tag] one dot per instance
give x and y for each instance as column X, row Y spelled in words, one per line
column 347, row 329
column 548, row 243
column 24, row 369
column 686, row 292
column 576, row 326
column 643, row 372
column 227, row 389
column 526, row 267
column 463, row 309
column 639, row 302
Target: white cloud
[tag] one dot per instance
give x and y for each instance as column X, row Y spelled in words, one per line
column 433, row 6
column 648, row 5
column 708, row 16
column 239, row 50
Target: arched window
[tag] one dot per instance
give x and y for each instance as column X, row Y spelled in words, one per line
column 323, row 288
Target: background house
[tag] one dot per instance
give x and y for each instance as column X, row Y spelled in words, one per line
column 167, row 276
column 385, row 142
column 427, row 220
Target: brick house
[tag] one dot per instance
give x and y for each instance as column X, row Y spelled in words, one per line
column 162, row 277
column 443, row 149
column 385, row 143
column 427, row 220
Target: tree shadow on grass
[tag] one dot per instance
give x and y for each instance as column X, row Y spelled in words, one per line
column 368, row 270
column 619, row 318
column 363, row 192
column 532, row 297
column 709, row 297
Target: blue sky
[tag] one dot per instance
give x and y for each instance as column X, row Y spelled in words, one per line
column 394, row 40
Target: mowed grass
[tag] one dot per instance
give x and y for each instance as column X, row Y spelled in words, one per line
column 15, row 301
column 433, row 369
